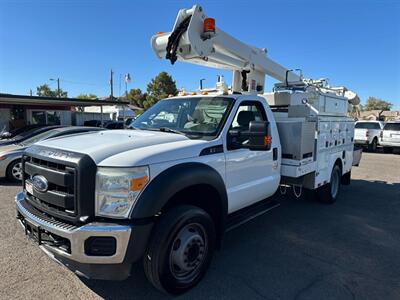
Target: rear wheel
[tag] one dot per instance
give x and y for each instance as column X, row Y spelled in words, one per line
column 373, row 145
column 180, row 250
column 330, row 191
column 14, row 171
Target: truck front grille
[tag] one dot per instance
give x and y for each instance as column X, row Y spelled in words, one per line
column 60, row 196
column 71, row 183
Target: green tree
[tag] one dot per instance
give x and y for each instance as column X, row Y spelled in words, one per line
column 87, row 96
column 45, row 91
column 160, row 87
column 377, row 104
column 137, row 97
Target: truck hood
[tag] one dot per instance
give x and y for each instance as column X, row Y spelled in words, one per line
column 126, row 148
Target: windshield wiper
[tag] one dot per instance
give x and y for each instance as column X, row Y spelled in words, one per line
column 167, row 129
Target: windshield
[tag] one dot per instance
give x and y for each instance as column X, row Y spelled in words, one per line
column 194, row 116
column 367, row 125
column 39, row 137
column 392, row 126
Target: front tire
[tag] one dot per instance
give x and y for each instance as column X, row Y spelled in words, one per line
column 330, row 191
column 14, row 171
column 180, row 249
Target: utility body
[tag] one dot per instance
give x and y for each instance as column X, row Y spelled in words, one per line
column 190, row 168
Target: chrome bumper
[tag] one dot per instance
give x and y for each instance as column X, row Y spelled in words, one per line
column 77, row 236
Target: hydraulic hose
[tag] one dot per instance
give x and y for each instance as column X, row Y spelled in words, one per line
column 174, row 38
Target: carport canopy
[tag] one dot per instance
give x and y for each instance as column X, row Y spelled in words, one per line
column 9, row 99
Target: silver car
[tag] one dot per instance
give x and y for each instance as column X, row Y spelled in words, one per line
column 390, row 136
column 10, row 155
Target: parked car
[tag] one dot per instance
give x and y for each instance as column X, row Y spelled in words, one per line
column 12, row 133
column 390, row 136
column 19, row 138
column 10, row 156
column 367, row 133
column 115, row 125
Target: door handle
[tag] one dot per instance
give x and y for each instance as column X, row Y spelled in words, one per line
column 275, row 154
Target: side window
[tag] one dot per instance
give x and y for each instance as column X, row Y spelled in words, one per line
column 248, row 111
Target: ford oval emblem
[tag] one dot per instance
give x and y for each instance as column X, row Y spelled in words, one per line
column 40, row 183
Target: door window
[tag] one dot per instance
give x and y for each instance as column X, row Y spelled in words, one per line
column 248, row 111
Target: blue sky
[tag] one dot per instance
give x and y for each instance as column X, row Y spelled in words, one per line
column 353, row 43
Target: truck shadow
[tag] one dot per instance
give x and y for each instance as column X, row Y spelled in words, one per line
column 279, row 254
column 5, row 182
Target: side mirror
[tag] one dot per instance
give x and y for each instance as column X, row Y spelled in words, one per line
column 259, row 138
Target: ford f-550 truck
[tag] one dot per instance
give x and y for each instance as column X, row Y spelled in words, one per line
column 189, row 168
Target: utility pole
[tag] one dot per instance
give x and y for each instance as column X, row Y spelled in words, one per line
column 111, row 85
column 58, row 86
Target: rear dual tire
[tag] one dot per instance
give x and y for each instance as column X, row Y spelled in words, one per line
column 329, row 192
column 180, row 249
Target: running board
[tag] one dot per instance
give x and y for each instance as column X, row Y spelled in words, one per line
column 249, row 213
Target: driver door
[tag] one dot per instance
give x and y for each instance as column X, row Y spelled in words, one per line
column 250, row 174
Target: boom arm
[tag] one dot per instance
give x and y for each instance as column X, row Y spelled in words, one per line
column 213, row 47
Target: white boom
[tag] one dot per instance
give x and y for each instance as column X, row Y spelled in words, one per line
column 196, row 39
column 220, row 50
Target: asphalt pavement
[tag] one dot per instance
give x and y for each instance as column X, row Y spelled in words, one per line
column 300, row 250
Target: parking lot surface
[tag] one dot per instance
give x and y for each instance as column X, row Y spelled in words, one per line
column 300, row 250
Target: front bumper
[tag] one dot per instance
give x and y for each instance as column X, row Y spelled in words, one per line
column 130, row 243
column 361, row 142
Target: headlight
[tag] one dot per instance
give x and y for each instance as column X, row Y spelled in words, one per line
column 117, row 190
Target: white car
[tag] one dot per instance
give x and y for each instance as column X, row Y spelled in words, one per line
column 390, row 136
column 367, row 133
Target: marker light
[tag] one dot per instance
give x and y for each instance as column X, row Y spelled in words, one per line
column 267, row 140
column 209, row 25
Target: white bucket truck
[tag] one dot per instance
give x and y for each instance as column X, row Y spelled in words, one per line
column 190, row 168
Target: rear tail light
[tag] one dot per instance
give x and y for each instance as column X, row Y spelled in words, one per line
column 367, row 133
column 381, row 134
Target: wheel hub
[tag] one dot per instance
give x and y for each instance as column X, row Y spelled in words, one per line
column 17, row 171
column 188, row 250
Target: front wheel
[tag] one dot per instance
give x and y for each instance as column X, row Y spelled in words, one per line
column 180, row 249
column 330, row 191
column 14, row 171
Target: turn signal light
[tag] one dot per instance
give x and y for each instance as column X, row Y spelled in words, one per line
column 209, row 25
column 138, row 183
